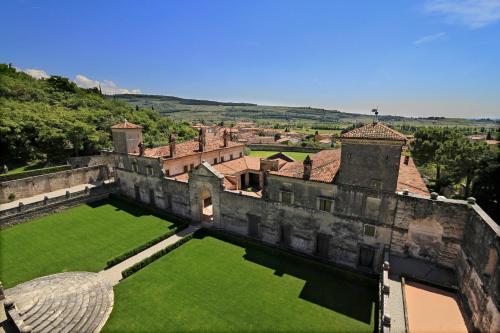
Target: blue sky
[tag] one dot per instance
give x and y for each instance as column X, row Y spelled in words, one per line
column 412, row 58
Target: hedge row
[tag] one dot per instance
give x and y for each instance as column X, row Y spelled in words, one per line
column 143, row 263
column 31, row 173
column 124, row 256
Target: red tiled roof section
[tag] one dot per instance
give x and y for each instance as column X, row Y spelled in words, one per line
column 230, row 168
column 237, row 165
column 325, row 165
column 126, row 125
column 374, row 131
column 410, row 179
column 189, row 148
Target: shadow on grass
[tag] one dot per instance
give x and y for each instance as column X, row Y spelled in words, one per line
column 130, row 208
column 345, row 292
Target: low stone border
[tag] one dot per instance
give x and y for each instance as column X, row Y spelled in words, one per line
column 405, row 309
column 124, row 256
column 143, row 263
column 39, row 211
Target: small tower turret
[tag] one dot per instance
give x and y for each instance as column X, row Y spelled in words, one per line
column 127, row 137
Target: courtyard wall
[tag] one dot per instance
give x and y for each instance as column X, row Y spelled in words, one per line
column 478, row 271
column 442, row 233
column 27, row 187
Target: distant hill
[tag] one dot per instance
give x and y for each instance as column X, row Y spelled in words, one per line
column 177, row 100
column 195, row 110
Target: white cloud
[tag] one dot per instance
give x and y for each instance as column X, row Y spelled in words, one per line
column 36, row 73
column 108, row 87
column 471, row 13
column 429, row 38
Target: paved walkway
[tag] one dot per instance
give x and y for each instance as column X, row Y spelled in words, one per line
column 113, row 275
column 395, row 305
column 53, row 194
column 433, row 310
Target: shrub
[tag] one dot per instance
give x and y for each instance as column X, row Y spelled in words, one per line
column 143, row 263
column 124, row 256
column 12, row 196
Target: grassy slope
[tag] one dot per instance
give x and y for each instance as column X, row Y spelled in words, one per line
column 81, row 238
column 212, row 285
column 298, row 156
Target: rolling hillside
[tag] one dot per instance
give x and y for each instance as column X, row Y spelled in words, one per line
column 212, row 111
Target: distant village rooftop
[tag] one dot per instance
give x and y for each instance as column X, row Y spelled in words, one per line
column 213, row 142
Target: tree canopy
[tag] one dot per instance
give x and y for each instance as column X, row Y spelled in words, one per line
column 52, row 119
column 460, row 160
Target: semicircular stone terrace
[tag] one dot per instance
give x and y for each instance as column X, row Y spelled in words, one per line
column 64, row 302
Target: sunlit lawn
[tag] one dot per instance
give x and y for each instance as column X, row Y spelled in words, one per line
column 81, row 238
column 210, row 285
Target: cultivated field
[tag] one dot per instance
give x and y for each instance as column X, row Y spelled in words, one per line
column 212, row 285
column 78, row 239
column 298, row 156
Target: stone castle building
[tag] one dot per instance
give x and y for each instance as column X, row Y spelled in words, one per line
column 353, row 206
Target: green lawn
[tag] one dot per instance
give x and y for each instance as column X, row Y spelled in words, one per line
column 298, row 156
column 211, row 285
column 81, row 238
column 27, row 167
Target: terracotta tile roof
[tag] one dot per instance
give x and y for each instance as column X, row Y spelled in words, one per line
column 409, row 178
column 127, row 125
column 375, row 131
column 281, row 162
column 189, row 147
column 325, row 165
column 229, row 169
column 237, row 165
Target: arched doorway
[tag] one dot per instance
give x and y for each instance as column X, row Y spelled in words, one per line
column 206, row 205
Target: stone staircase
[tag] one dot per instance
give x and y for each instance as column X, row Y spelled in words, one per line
column 65, row 302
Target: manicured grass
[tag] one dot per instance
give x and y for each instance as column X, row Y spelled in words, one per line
column 27, row 167
column 298, row 156
column 81, row 238
column 210, row 285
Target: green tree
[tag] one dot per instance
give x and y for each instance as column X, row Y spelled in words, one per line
column 462, row 158
column 486, row 186
column 52, row 119
column 426, row 144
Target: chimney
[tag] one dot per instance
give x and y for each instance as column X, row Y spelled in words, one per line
column 226, row 138
column 307, row 168
column 141, row 149
column 202, row 138
column 171, row 141
column 407, row 159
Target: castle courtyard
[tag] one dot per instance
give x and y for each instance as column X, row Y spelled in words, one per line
column 215, row 284
column 82, row 238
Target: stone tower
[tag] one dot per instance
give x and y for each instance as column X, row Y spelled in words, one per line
column 370, row 157
column 127, row 137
